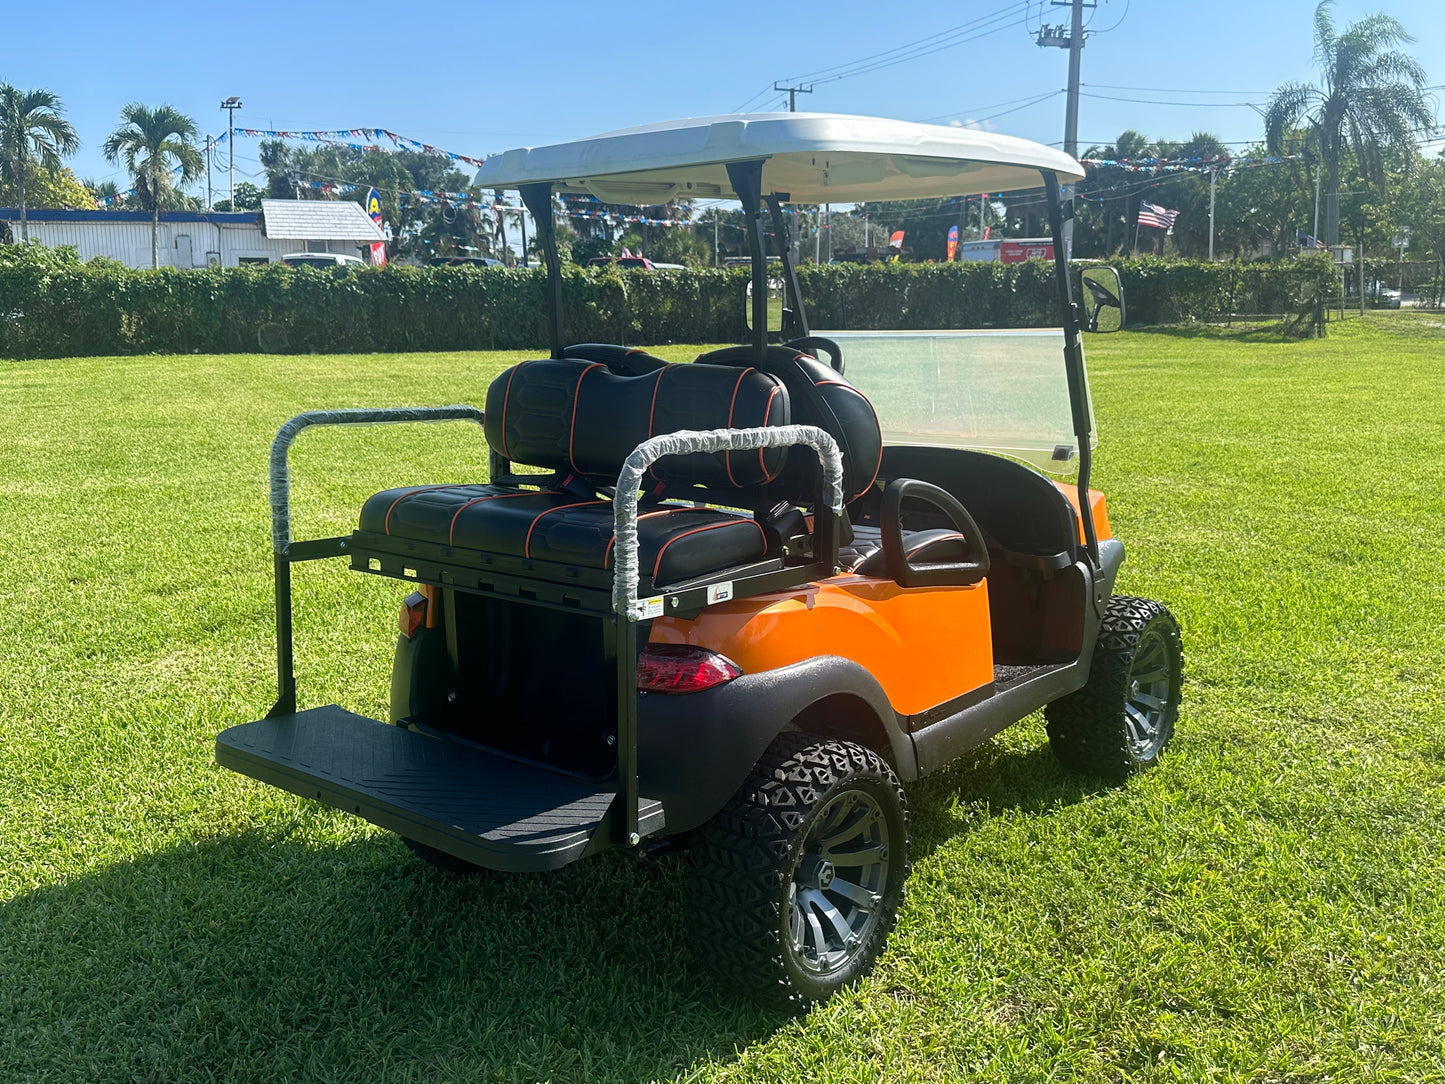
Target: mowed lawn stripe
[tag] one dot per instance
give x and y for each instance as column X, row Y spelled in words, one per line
column 1267, row 905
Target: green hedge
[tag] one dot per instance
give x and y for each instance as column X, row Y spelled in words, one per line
column 52, row 305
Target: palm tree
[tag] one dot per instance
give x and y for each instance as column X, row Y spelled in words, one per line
column 1370, row 96
column 158, row 147
column 31, row 129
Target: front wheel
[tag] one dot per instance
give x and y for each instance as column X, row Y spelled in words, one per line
column 796, row 884
column 1121, row 720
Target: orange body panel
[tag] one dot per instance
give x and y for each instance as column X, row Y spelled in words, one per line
column 924, row 646
column 1097, row 506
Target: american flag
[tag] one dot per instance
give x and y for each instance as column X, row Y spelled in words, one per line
column 1151, row 214
column 1304, row 240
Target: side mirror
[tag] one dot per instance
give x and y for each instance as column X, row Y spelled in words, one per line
column 775, row 305
column 1103, row 299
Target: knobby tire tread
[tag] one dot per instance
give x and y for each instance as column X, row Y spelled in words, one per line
column 740, row 860
column 1086, row 728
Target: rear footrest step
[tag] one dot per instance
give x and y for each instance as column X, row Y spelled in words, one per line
column 487, row 809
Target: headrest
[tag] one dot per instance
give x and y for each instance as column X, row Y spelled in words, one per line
column 622, row 360
column 818, row 395
column 578, row 416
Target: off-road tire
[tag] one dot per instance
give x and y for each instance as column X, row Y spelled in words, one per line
column 1105, row 729
column 758, row 869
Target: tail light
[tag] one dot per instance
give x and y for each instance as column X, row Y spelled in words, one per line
column 681, row 668
column 413, row 614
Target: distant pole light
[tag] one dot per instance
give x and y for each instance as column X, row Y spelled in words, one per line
column 230, row 105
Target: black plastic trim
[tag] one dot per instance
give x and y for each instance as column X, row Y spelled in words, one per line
column 694, row 751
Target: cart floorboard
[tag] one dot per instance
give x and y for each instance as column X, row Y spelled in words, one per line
column 488, row 809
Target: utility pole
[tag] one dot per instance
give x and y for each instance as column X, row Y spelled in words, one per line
column 793, row 93
column 1073, row 41
column 1212, row 171
column 210, row 146
column 230, row 105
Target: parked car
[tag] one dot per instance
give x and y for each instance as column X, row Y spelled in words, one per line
column 634, row 263
column 1385, row 297
column 321, row 259
column 464, row 261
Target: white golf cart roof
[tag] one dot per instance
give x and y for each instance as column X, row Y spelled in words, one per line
column 811, row 157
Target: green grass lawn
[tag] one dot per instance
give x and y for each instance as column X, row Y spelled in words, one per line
column 1266, row 906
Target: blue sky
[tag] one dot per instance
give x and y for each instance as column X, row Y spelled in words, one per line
column 479, row 79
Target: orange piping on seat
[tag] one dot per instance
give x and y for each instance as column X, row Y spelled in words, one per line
column 577, row 398
column 386, row 523
column 506, row 398
column 607, row 553
column 651, row 410
column 931, row 541
column 732, row 406
column 710, row 527
column 452, row 527
column 527, row 544
column 877, row 467
column 767, row 413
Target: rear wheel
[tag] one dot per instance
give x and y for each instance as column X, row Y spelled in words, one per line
column 1122, row 719
column 796, row 884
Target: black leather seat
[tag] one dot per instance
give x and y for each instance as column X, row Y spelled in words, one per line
column 864, row 556
column 579, row 419
column 675, row 542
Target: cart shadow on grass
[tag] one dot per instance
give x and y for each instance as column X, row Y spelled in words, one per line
column 259, row 956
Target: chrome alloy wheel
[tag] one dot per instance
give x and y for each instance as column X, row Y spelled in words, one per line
column 838, row 883
column 1147, row 696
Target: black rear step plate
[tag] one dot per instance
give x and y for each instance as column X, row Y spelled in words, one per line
column 487, row 809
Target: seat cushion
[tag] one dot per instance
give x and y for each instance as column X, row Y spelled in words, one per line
column 580, row 417
column 675, row 542
column 921, row 548
column 817, row 395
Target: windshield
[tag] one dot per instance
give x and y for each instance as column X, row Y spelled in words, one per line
column 996, row 391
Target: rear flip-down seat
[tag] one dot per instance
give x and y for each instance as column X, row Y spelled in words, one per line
column 675, row 543
column 580, row 420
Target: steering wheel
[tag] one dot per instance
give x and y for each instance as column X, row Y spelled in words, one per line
column 812, row 344
column 905, row 572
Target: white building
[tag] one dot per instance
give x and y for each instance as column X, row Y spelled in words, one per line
column 205, row 238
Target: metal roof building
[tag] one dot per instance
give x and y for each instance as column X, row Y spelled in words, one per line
column 204, row 238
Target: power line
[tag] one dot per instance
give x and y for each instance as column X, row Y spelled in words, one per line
column 954, row 36
column 979, row 109
column 1170, row 90
column 1155, row 101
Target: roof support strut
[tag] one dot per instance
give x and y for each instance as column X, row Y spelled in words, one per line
column 782, row 231
column 538, row 199
column 747, row 181
column 1073, row 357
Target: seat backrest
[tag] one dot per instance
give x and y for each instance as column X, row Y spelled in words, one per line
column 580, row 417
column 819, row 396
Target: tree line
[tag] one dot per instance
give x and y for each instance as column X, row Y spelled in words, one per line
column 1346, row 148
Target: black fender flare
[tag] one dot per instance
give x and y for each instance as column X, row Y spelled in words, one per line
column 694, row 751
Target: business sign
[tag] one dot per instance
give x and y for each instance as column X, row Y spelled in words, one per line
column 952, row 242
column 373, row 206
column 1019, row 251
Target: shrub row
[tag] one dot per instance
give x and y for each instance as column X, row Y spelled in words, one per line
column 53, row 306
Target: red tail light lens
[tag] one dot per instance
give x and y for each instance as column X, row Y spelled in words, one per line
column 413, row 614
column 681, row 668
